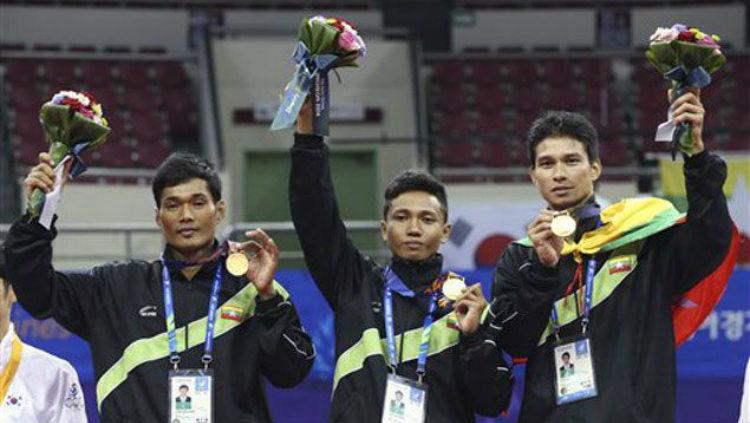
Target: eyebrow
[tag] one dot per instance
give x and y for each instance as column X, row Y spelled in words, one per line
column 420, row 211
column 192, row 196
column 552, row 157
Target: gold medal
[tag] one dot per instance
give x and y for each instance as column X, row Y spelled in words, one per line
column 563, row 225
column 453, row 287
column 237, row 264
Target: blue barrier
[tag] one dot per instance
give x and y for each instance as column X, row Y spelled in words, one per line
column 715, row 357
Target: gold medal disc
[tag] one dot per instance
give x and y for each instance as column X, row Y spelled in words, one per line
column 237, row 264
column 563, row 225
column 453, row 288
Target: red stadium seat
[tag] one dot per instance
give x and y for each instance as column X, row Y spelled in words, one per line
column 25, row 98
column 485, row 73
column 455, row 154
column 22, row 71
column 491, row 122
column 133, row 73
column 139, row 99
column 96, row 73
column 495, row 154
column 490, row 99
column 614, row 152
column 170, row 74
column 60, row 73
column 453, row 125
column 447, row 73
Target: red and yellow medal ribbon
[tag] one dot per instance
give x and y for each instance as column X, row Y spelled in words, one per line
column 6, row 377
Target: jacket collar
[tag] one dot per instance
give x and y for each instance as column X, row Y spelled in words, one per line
column 418, row 275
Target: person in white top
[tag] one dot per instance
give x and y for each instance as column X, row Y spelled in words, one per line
column 745, row 404
column 35, row 387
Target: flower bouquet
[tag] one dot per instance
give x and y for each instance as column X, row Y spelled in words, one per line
column 324, row 44
column 72, row 122
column 686, row 57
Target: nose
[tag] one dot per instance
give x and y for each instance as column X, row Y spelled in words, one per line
column 414, row 228
column 558, row 172
column 186, row 214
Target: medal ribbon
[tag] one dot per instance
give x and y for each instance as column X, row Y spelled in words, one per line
column 6, row 378
column 392, row 281
column 591, row 266
column 213, row 304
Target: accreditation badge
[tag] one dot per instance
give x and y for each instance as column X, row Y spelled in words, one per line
column 575, row 379
column 191, row 396
column 405, row 400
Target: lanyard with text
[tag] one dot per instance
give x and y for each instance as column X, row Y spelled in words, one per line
column 391, row 280
column 591, row 265
column 213, row 303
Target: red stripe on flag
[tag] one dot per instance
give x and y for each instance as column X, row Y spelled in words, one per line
column 706, row 294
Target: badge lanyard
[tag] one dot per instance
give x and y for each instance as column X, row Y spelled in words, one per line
column 392, row 279
column 591, row 266
column 213, row 303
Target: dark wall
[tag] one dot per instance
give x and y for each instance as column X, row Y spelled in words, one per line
column 427, row 20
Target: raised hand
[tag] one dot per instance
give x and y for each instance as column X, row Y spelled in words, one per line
column 469, row 308
column 305, row 117
column 688, row 108
column 41, row 176
column 547, row 245
column 263, row 261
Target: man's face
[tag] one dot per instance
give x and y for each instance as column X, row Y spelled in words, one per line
column 566, row 359
column 188, row 216
column 7, row 298
column 183, row 391
column 563, row 173
column 415, row 226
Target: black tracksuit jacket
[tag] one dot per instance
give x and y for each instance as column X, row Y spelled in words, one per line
column 118, row 308
column 632, row 336
column 465, row 375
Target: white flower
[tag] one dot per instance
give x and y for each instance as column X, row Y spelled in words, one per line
column 83, row 99
column 664, row 35
column 319, row 19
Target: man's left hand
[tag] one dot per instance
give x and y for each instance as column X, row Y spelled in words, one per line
column 469, row 308
column 688, row 109
column 263, row 261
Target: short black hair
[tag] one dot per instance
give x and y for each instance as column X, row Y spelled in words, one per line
column 183, row 386
column 565, row 353
column 559, row 123
column 3, row 276
column 415, row 180
column 180, row 167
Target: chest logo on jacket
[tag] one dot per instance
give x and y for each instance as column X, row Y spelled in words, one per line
column 13, row 400
column 148, row 311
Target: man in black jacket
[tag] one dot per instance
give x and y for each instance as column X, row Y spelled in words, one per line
column 606, row 292
column 464, row 371
column 121, row 308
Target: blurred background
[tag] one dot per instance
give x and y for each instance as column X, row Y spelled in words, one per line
column 449, row 86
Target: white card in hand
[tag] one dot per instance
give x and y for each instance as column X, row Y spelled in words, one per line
column 52, row 198
column 665, row 131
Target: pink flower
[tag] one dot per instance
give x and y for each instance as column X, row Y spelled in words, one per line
column 664, row 35
column 350, row 41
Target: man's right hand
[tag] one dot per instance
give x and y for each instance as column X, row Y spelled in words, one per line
column 305, row 117
column 41, row 176
column 547, row 245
